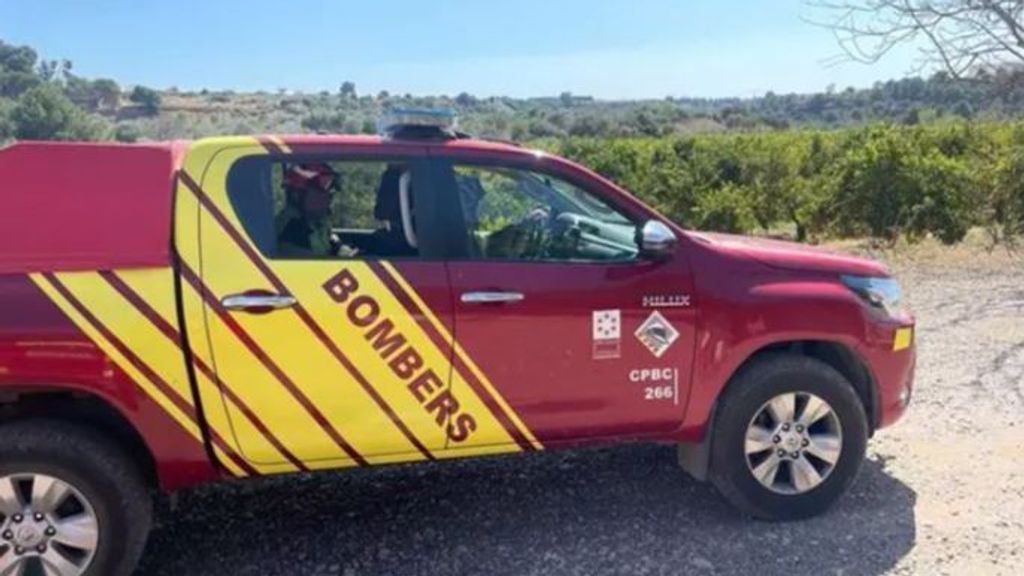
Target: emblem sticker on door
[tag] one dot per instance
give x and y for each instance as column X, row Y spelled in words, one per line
column 657, row 334
column 607, row 334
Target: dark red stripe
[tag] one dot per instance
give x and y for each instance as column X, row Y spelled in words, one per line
column 219, row 442
column 299, row 309
column 190, row 276
column 410, row 306
column 146, row 371
column 457, row 363
column 172, row 333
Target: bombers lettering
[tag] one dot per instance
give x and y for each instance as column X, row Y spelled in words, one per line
column 364, row 312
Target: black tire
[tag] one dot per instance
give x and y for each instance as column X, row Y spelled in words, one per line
column 752, row 388
column 101, row 472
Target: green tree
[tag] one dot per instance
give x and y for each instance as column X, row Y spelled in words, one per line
column 101, row 94
column 148, row 98
column 54, row 70
column 126, row 133
column 893, row 182
column 1007, row 202
column 45, row 113
column 6, row 123
column 17, row 69
column 726, row 210
column 17, row 58
column 325, row 122
column 589, row 125
column 107, row 93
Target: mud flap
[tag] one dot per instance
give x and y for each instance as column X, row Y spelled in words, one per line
column 695, row 458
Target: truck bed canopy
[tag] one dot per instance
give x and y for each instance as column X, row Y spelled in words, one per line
column 84, row 206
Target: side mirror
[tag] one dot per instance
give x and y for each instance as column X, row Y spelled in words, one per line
column 657, row 240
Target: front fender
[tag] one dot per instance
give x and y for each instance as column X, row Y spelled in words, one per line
column 745, row 307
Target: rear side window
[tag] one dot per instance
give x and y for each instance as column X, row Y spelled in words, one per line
column 325, row 209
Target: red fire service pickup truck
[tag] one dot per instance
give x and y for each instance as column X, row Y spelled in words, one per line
column 179, row 313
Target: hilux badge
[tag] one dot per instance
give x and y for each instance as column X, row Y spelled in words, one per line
column 666, row 301
column 657, row 334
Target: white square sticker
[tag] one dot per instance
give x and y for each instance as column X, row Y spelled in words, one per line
column 607, row 334
column 607, row 324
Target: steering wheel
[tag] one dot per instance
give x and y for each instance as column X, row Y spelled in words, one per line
column 538, row 235
column 536, row 226
column 565, row 236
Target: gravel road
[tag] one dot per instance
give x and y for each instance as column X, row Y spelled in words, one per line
column 941, row 493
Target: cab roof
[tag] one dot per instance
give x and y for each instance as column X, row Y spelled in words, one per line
column 370, row 141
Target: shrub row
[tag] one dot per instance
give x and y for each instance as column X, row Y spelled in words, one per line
column 883, row 180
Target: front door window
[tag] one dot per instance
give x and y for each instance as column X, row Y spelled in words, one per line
column 513, row 214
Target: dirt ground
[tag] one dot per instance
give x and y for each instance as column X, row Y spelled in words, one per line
column 941, row 493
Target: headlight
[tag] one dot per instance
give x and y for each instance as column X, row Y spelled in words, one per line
column 883, row 294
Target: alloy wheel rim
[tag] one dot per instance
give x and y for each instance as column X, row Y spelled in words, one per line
column 47, row 527
column 793, row 443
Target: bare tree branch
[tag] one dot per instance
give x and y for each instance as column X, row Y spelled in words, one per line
column 962, row 37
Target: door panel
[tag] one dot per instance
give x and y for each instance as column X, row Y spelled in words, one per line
column 480, row 421
column 581, row 335
column 556, row 356
column 324, row 382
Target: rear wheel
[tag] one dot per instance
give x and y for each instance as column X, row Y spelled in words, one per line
column 70, row 503
column 790, row 436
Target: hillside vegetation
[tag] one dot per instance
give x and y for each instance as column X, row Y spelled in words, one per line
column 905, row 158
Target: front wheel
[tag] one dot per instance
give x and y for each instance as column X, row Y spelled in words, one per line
column 71, row 504
column 790, row 436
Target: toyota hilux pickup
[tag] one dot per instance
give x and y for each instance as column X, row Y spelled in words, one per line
column 178, row 313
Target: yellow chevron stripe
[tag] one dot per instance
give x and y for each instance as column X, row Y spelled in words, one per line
column 226, row 461
column 155, row 288
column 281, row 144
column 148, row 387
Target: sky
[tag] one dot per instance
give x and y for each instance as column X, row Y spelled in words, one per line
column 610, row 49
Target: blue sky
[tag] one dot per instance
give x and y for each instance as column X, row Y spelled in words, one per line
column 605, row 48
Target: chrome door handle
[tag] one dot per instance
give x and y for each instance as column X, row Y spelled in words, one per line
column 258, row 302
column 491, row 297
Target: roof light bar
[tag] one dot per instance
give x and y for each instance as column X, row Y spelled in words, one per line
column 398, row 122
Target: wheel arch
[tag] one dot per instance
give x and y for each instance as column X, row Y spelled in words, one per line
column 695, row 457
column 74, row 406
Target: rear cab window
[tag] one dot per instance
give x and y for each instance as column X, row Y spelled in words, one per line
column 335, row 207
